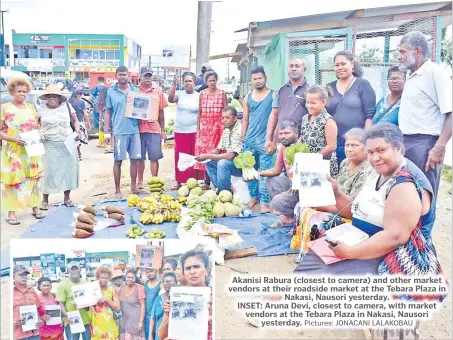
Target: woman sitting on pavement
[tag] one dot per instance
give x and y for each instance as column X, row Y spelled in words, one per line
column 388, row 208
column 284, row 200
column 387, row 109
column 62, row 168
column 20, row 174
column 312, row 223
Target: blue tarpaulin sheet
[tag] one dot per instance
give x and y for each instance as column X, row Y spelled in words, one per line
column 254, row 230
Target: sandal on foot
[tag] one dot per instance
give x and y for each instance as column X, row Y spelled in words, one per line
column 12, row 221
column 69, row 204
column 38, row 215
column 280, row 224
column 44, row 206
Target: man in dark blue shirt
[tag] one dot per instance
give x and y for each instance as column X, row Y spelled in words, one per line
column 200, row 84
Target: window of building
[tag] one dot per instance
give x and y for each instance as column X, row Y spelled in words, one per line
column 96, row 55
column 45, row 53
column 101, row 54
column 28, row 52
column 58, row 53
column 110, row 54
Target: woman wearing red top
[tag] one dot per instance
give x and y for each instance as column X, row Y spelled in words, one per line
column 48, row 332
column 209, row 125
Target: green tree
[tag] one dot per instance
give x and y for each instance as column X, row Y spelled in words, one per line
column 371, row 54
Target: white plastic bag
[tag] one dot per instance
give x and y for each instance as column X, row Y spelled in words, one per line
column 186, row 161
column 240, row 189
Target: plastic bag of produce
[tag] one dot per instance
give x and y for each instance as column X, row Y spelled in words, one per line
column 240, row 189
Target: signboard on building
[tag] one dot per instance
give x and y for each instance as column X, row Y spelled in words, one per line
column 176, row 57
column 40, row 38
column 84, row 63
column 35, row 64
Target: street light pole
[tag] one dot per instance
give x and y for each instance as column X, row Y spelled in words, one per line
column 3, row 56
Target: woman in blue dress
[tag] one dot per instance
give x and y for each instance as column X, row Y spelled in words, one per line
column 387, row 109
column 157, row 313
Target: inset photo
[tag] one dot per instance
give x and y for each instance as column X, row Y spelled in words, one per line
column 121, row 289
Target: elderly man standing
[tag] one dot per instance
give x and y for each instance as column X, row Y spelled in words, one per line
column 425, row 111
column 288, row 103
column 66, row 300
column 23, row 295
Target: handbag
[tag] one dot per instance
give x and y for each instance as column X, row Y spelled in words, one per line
column 415, row 258
column 70, row 117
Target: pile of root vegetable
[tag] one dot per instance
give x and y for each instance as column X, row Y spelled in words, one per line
column 86, row 220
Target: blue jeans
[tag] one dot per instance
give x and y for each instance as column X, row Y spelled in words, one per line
column 96, row 120
column 263, row 162
column 220, row 173
column 85, row 335
column 341, row 155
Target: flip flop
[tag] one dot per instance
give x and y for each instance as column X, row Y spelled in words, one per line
column 280, row 224
column 69, row 204
column 12, row 221
column 38, row 216
column 44, row 206
column 140, row 187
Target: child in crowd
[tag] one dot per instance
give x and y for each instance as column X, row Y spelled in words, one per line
column 319, row 130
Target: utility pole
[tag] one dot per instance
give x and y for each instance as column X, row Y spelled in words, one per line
column 203, row 33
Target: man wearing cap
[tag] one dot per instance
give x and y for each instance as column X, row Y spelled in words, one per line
column 66, row 300
column 151, row 131
column 23, row 295
column 125, row 130
column 200, row 83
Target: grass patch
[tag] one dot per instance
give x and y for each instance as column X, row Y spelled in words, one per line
column 447, row 173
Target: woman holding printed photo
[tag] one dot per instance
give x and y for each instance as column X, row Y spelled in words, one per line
column 103, row 324
column 195, row 268
column 48, row 332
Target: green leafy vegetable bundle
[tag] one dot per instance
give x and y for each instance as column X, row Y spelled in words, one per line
column 293, row 149
column 246, row 162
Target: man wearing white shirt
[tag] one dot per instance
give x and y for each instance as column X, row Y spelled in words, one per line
column 426, row 104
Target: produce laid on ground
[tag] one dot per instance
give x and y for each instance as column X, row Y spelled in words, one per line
column 86, row 222
column 246, row 162
column 207, row 206
column 191, row 206
column 134, row 231
column 156, row 185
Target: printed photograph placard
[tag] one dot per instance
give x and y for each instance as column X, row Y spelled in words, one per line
column 149, row 257
column 142, row 106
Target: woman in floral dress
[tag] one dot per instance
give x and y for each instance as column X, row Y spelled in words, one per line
column 20, row 174
column 103, row 324
column 210, row 127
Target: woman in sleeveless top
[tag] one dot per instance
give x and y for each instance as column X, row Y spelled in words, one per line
column 210, row 127
column 387, row 208
column 20, row 174
column 132, row 299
